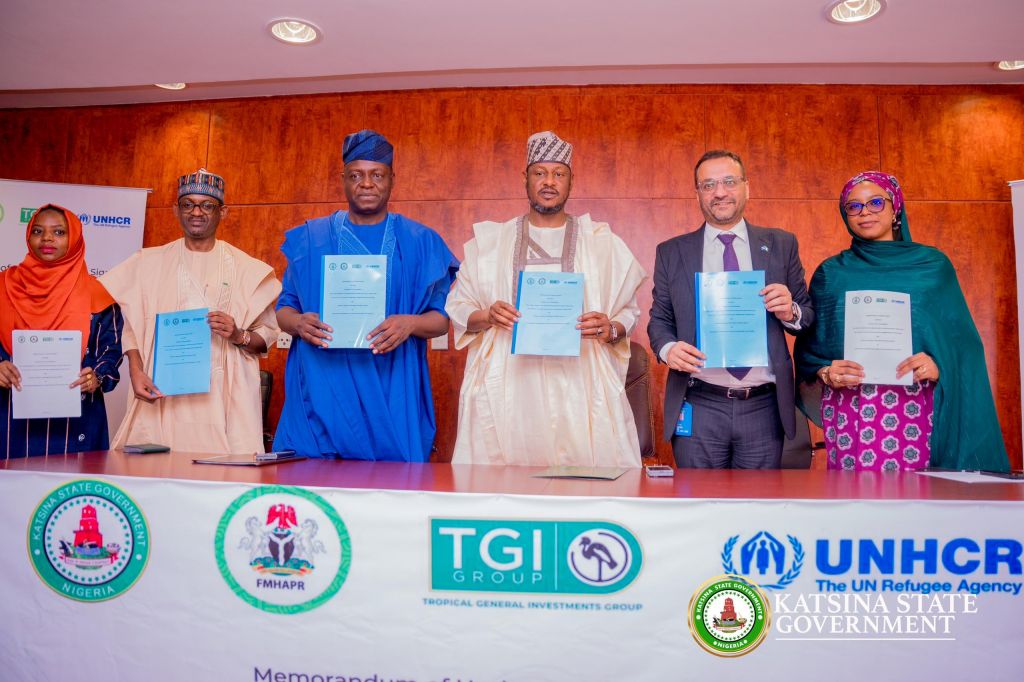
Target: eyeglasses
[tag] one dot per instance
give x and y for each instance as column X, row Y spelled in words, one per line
column 206, row 207
column 729, row 183
column 876, row 205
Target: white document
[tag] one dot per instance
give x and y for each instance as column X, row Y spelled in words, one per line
column 878, row 335
column 49, row 361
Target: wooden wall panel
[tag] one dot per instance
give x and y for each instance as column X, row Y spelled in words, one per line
column 626, row 145
column 454, row 145
column 796, row 145
column 283, row 151
column 460, row 157
column 138, row 146
column 33, row 144
column 816, row 223
column 954, row 147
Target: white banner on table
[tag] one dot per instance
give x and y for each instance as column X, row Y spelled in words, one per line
column 112, row 218
column 163, row 579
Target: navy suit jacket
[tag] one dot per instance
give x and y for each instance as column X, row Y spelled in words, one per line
column 673, row 310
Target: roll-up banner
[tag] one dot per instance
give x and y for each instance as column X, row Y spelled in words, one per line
column 112, row 220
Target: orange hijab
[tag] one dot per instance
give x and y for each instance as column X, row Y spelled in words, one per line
column 57, row 295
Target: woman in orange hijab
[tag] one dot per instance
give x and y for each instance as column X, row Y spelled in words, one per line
column 52, row 289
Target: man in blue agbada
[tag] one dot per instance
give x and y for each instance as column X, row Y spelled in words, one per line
column 363, row 403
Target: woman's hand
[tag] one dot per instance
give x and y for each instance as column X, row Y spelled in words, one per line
column 9, row 375
column 922, row 365
column 87, row 380
column 842, row 374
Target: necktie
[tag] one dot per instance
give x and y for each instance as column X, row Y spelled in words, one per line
column 730, row 263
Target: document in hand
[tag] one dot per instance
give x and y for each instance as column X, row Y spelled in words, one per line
column 877, row 334
column 353, row 297
column 732, row 327
column 49, row 362
column 181, row 352
column 550, row 304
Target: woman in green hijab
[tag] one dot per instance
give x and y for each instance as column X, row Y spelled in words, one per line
column 946, row 418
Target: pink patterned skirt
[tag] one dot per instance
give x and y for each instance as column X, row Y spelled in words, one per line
column 878, row 428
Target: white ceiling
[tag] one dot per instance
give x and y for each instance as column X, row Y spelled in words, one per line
column 69, row 52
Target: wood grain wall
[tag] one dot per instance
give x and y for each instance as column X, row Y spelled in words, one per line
column 459, row 157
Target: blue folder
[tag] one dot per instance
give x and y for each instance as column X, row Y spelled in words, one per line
column 550, row 304
column 732, row 324
column 181, row 352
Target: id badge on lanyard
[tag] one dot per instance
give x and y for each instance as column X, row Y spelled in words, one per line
column 684, row 427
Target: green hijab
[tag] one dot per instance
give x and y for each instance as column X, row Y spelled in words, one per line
column 965, row 428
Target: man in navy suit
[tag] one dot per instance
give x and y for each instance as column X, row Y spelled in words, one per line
column 727, row 418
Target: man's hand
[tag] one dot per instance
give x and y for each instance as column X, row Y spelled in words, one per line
column 595, row 326
column 224, row 325
column 9, row 375
column 143, row 386
column 502, row 314
column 391, row 333
column 778, row 301
column 311, row 329
column 683, row 357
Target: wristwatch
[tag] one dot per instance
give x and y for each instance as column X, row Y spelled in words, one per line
column 614, row 332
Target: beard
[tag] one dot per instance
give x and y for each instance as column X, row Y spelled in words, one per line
column 547, row 210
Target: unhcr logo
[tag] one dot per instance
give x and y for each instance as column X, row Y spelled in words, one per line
column 107, row 220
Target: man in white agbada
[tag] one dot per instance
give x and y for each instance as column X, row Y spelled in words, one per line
column 545, row 410
column 197, row 271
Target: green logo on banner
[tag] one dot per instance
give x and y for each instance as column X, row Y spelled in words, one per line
column 546, row 557
column 26, row 214
column 282, row 549
column 729, row 616
column 88, row 541
column 1, row 212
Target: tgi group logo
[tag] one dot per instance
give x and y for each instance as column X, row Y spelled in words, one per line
column 545, row 557
column 763, row 557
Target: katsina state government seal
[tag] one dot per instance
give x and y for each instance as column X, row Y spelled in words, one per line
column 88, row 541
column 729, row 616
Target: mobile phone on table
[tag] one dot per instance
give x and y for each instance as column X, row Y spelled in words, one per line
column 659, row 471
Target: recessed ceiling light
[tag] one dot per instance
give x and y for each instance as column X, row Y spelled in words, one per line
column 170, row 86
column 1011, row 65
column 854, row 11
column 295, row 31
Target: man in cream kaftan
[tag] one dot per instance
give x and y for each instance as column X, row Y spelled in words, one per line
column 546, row 410
column 198, row 271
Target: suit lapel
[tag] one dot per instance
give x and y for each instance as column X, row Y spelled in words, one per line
column 693, row 253
column 760, row 248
